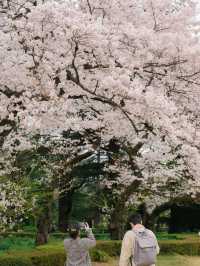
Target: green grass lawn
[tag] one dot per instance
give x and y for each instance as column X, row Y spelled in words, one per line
column 164, row 261
column 178, row 261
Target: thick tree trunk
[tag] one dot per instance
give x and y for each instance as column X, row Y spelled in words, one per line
column 149, row 220
column 152, row 219
column 116, row 232
column 118, row 221
column 44, row 225
column 64, row 209
column 42, row 231
column 97, row 218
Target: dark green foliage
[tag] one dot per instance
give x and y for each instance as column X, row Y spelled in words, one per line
column 11, row 242
column 112, row 248
column 99, row 255
column 4, row 245
column 185, row 218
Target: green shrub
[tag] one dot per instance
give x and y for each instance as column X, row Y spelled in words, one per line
column 45, row 258
column 16, row 243
column 190, row 248
column 14, row 261
column 112, row 248
column 166, row 236
column 182, row 247
column 48, row 259
column 18, row 234
column 36, row 258
column 51, row 258
column 99, row 256
column 4, row 245
column 59, row 235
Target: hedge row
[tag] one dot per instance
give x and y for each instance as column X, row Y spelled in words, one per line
column 18, row 234
column 98, row 235
column 33, row 259
column 190, row 248
column 47, row 258
column 102, row 253
column 182, row 247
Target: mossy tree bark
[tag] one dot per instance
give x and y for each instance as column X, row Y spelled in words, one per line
column 44, row 221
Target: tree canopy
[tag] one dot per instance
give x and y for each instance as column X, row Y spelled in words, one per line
column 123, row 75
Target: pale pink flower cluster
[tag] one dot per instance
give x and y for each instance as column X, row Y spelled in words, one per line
column 125, row 69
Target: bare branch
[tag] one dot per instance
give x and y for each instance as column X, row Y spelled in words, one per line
column 89, row 6
column 154, row 16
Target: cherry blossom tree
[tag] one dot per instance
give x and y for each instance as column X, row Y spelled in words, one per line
column 114, row 71
column 14, row 204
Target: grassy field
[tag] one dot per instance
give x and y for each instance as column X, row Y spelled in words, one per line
column 164, row 261
column 178, row 261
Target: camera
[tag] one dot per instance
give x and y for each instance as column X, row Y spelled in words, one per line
column 82, row 226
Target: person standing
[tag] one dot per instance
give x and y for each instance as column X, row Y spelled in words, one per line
column 77, row 248
column 139, row 245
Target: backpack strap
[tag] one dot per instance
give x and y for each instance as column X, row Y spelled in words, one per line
column 133, row 247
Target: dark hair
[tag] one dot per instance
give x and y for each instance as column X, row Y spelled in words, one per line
column 74, row 231
column 135, row 219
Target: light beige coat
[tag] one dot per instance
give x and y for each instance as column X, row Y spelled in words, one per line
column 127, row 250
